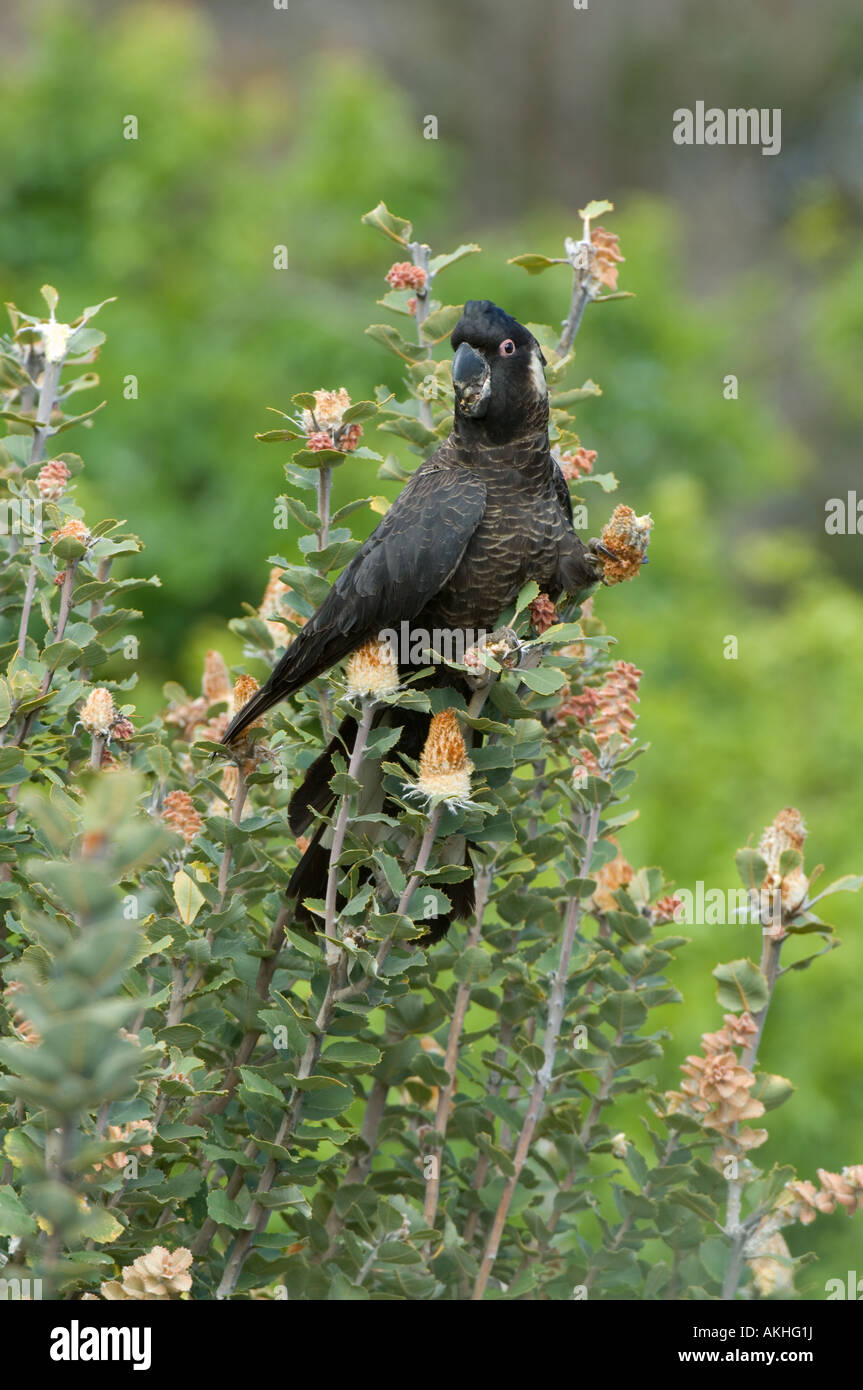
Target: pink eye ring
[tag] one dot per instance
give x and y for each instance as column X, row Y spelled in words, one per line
column 507, row 348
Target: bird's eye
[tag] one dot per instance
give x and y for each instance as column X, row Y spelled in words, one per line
column 507, row 347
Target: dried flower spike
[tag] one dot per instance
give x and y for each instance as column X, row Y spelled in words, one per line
column 627, row 535
column 98, row 714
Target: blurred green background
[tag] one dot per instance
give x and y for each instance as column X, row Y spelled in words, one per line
column 260, row 127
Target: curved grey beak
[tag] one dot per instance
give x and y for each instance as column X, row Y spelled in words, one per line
column 471, row 380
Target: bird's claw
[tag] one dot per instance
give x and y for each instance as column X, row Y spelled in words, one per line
column 503, row 644
column 596, row 556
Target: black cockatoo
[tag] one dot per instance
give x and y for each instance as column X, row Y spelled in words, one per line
column 489, row 511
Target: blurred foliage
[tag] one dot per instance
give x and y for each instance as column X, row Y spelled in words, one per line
column 181, row 226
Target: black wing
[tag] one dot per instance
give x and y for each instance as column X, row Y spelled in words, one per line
column 404, row 563
column 562, row 489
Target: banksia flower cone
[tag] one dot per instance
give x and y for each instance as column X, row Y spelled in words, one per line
column 274, row 607
column 577, row 462
column 627, row 535
column 445, row 767
column 98, row 713
column 607, row 256
column 543, row 614
column 73, row 530
column 372, row 671
column 605, row 711
column 609, row 877
column 614, row 713
column 159, row 1275
column 787, row 832
column 244, row 688
column 404, row 275
column 179, row 813
column 216, row 685
column 52, row 478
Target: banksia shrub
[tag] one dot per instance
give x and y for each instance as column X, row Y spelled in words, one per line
column 302, row 1095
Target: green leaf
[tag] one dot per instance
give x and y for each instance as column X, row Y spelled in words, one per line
column 355, row 1053
column 535, row 264
column 772, row 1091
column 850, row 883
column 224, row 1211
column 441, row 322
column 741, row 986
column 595, row 209
column 526, row 596
column 439, row 263
column 751, row 866
column 544, row 679
column 187, row 896
column 391, row 338
column 15, row 1219
column 396, row 228
column 260, row 1085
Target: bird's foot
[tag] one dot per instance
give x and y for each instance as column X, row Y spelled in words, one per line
column 596, row 554
column 502, row 644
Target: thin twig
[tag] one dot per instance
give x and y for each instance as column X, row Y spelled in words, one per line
column 543, row 1079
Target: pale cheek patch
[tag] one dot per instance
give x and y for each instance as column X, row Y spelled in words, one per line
column 537, row 375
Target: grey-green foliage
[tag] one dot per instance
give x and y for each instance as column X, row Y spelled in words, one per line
column 273, row 1099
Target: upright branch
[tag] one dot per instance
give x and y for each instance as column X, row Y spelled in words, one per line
column 554, row 1020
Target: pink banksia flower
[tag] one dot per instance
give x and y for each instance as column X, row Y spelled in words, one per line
column 607, row 257
column 627, row 535
column 216, row 685
column 837, row 1187
column 372, row 671
column 318, row 440
column 349, row 437
column 123, row 729
column 180, row 814
column 404, row 275
column 412, row 305
column 614, row 713
column 807, row 1201
column 160, row 1275
column 717, row 1090
column 577, row 462
column 665, row 908
column 52, row 478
